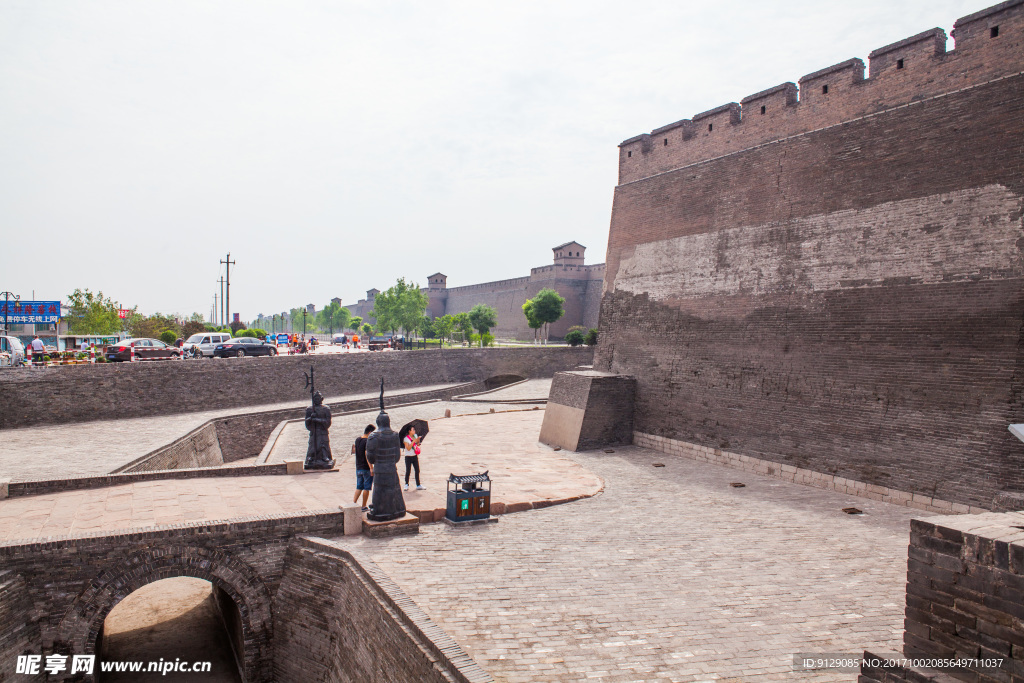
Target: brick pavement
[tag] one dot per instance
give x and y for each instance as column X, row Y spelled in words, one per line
column 524, row 470
column 93, row 448
column 669, row 575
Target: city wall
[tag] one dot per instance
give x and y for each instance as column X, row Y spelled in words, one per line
column 845, row 299
column 118, row 390
column 580, row 285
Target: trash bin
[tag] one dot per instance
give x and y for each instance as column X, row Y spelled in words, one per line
column 469, row 500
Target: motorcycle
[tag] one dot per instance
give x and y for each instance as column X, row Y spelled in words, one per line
column 192, row 352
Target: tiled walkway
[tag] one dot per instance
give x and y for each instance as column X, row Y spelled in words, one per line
column 669, row 575
column 524, row 471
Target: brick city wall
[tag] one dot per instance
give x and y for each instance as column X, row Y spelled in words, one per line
column 345, row 620
column 118, row 390
column 72, row 583
column 965, row 598
column 911, row 69
column 847, row 301
column 580, row 285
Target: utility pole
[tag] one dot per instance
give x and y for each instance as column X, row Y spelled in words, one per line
column 221, row 323
column 227, row 270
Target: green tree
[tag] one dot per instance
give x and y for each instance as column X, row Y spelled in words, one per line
column 355, row 323
column 401, row 306
column 168, row 337
column 92, row 313
column 192, row 327
column 368, row 330
column 575, row 336
column 591, row 338
column 333, row 317
column 444, row 327
column 483, row 318
column 296, row 315
column 426, row 328
column 531, row 318
column 548, row 306
column 463, row 325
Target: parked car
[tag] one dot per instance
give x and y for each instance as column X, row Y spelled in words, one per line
column 245, row 346
column 207, row 341
column 145, row 349
column 12, row 352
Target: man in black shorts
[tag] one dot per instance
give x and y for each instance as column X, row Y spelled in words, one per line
column 364, row 470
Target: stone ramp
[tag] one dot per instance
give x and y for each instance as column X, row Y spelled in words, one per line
column 528, row 391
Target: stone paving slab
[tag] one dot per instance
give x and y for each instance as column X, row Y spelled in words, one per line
column 95, row 448
column 525, row 470
column 669, row 574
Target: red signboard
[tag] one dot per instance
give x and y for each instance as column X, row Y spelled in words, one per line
column 124, row 312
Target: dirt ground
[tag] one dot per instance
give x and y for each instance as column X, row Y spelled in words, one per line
column 169, row 620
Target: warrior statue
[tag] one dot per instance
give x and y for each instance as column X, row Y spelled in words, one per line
column 318, row 422
column 383, row 450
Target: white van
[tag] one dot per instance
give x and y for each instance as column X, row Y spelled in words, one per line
column 12, row 352
column 206, row 341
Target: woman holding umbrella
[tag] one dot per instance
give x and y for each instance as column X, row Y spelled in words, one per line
column 412, row 436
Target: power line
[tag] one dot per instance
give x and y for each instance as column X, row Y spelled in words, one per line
column 227, row 269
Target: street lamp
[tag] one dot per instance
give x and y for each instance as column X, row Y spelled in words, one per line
column 7, row 299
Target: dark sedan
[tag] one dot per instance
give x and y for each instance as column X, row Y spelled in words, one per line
column 244, row 346
column 145, row 349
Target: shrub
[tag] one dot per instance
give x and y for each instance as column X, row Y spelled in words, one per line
column 168, row 337
column 591, row 338
column 487, row 339
column 574, row 337
column 101, row 359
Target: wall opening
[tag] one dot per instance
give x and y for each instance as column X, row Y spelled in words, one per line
column 993, row 32
column 824, row 90
column 899, row 63
column 763, row 109
column 180, row 622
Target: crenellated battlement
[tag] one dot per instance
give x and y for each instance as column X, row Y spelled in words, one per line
column 989, row 44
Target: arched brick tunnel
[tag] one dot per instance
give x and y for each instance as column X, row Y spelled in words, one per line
column 250, row 632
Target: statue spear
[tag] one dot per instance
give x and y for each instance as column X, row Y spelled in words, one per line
column 309, row 382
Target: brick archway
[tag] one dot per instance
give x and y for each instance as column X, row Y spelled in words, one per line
column 79, row 629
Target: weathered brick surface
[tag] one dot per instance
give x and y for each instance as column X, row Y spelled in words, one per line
column 342, row 619
column 198, row 448
column 19, row 634
column 965, row 600
column 74, row 582
column 846, row 300
column 927, row 70
column 117, row 390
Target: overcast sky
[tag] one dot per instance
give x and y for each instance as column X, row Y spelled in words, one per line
column 332, row 147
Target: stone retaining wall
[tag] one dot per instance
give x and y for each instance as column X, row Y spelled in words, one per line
column 117, row 390
column 341, row 618
column 965, row 600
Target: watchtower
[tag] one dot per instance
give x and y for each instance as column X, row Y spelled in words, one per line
column 569, row 254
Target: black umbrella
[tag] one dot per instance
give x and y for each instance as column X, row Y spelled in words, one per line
column 422, row 427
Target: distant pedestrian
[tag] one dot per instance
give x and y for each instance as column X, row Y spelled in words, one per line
column 411, row 445
column 84, row 346
column 38, row 349
column 364, row 470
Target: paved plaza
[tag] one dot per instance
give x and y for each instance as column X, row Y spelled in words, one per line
column 670, row 574
column 663, row 574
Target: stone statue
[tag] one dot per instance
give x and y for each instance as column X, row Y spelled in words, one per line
column 318, row 422
column 383, row 450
